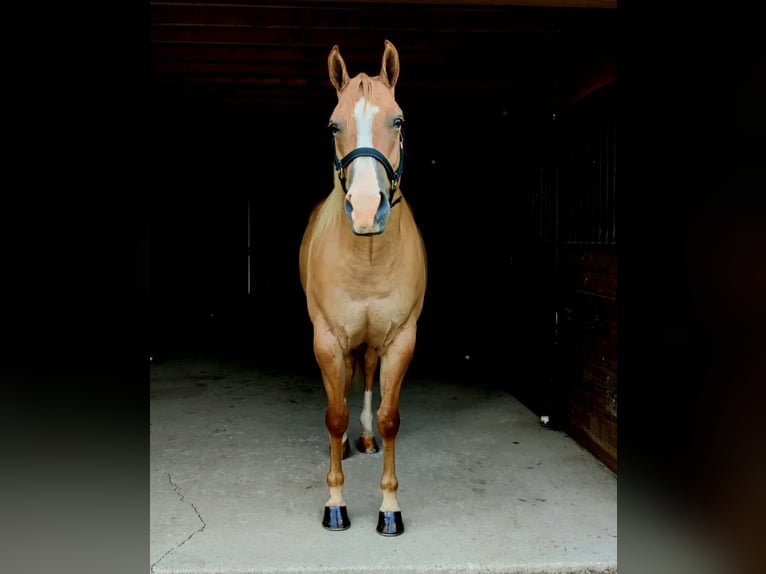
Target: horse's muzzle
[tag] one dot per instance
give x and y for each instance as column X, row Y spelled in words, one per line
column 366, row 222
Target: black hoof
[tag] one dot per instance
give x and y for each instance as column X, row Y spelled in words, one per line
column 390, row 523
column 336, row 518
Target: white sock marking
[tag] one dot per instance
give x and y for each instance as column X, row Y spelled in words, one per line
column 366, row 417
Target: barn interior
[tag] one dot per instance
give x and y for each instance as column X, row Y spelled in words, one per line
column 511, row 160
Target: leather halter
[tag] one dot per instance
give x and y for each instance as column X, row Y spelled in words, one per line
column 394, row 175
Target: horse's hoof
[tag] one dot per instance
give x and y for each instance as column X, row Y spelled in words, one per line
column 336, row 518
column 367, row 444
column 390, row 523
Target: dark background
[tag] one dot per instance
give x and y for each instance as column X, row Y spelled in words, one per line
column 83, row 304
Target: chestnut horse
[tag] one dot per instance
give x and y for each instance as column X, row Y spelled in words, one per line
column 363, row 270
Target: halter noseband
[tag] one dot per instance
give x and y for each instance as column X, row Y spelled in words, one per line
column 394, row 175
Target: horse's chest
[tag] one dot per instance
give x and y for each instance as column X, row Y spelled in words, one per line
column 363, row 301
column 374, row 321
column 373, row 314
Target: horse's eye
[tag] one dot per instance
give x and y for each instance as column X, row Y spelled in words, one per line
column 334, row 128
column 398, row 123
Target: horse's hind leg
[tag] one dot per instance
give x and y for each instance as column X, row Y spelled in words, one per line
column 392, row 369
column 366, row 442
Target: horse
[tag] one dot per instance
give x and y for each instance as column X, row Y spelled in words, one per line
column 363, row 272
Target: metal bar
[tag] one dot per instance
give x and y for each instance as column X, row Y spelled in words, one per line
column 249, row 269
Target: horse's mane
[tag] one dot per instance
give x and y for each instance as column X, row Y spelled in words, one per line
column 329, row 213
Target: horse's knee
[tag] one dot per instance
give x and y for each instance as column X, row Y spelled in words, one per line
column 388, row 422
column 336, row 420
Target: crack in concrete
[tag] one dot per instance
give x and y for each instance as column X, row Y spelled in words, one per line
column 177, row 490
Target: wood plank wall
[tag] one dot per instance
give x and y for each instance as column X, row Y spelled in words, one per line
column 589, row 338
column 588, row 328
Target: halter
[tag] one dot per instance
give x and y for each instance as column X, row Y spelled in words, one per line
column 394, row 175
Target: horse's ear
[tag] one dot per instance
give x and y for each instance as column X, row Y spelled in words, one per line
column 389, row 69
column 338, row 74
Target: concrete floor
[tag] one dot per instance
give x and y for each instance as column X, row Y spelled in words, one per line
column 239, row 458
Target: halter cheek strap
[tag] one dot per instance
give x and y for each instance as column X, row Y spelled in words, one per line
column 394, row 175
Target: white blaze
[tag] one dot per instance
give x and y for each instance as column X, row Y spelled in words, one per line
column 363, row 114
column 363, row 194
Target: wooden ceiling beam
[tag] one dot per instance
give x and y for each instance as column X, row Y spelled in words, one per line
column 247, row 83
column 326, row 38
column 367, row 4
column 243, row 55
column 387, row 17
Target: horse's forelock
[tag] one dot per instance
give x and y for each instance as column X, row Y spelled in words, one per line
column 361, row 86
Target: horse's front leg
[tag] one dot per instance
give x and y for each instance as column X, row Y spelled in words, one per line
column 393, row 366
column 336, row 367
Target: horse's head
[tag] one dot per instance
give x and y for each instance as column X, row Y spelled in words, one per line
column 367, row 129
